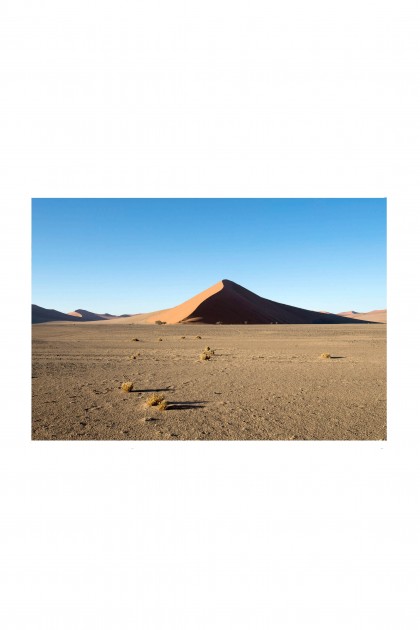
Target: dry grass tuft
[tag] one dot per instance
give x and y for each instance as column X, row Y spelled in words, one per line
column 135, row 339
column 207, row 349
column 182, row 337
column 160, row 339
column 198, row 337
column 154, row 400
column 325, row 355
column 212, row 352
column 127, row 387
column 204, row 356
column 163, row 405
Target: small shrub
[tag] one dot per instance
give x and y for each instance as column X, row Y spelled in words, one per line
column 198, row 337
column 154, row 400
column 325, row 355
column 207, row 349
column 162, row 405
column 159, row 322
column 204, row 356
column 127, row 387
column 182, row 337
column 135, row 339
column 160, row 339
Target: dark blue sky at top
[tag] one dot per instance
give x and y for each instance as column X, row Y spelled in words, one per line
column 139, row 255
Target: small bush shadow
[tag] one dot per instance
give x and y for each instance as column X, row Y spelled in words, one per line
column 337, row 357
column 186, row 404
column 146, row 391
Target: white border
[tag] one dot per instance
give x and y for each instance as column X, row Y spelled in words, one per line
column 231, row 99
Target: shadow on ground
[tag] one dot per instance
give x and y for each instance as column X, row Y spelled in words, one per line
column 186, row 404
column 146, row 391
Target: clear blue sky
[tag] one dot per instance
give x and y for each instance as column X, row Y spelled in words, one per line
column 140, row 255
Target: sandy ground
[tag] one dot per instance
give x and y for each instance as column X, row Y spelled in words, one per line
column 263, row 383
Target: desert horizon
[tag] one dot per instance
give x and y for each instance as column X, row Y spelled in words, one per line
column 233, row 299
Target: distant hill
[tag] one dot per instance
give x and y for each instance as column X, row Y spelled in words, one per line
column 376, row 317
column 228, row 303
column 88, row 316
column 41, row 315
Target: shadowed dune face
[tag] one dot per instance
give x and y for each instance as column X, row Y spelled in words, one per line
column 42, row 315
column 230, row 303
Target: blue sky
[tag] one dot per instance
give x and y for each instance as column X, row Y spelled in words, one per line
column 140, row 255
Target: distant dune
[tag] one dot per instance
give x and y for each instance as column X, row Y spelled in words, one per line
column 42, row 315
column 88, row 316
column 349, row 313
column 228, row 303
column 377, row 317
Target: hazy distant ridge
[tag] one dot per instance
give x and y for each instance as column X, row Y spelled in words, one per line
column 42, row 315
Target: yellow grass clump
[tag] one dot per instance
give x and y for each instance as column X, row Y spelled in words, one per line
column 163, row 405
column 154, row 400
column 204, row 356
column 325, row 355
column 127, row 387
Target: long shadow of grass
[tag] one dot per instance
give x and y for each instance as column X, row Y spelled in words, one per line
column 146, row 391
column 338, row 357
column 186, row 404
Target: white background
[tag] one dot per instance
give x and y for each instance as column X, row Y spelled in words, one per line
column 221, row 99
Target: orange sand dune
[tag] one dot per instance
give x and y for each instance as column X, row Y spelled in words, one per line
column 377, row 317
column 229, row 303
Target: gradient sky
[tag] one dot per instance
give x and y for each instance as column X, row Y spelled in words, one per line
column 139, row 255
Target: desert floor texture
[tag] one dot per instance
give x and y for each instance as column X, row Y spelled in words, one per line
column 264, row 382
